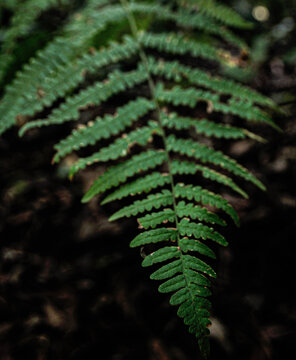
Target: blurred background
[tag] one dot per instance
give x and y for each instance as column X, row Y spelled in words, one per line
column 66, row 292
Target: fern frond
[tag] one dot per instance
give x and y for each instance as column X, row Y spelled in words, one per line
column 191, row 96
column 161, row 255
column 144, row 184
column 154, row 201
column 65, row 78
column 176, row 71
column 154, row 219
column 182, row 210
column 186, row 167
column 207, row 155
column 218, row 11
column 203, row 22
column 176, row 44
column 206, row 197
column 149, row 88
column 198, row 212
column 154, row 236
column 104, row 128
column 119, row 148
column 119, row 173
column 206, row 127
column 200, row 231
column 93, row 95
column 20, row 25
column 187, row 244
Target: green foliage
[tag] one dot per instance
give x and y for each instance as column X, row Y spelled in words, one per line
column 166, row 111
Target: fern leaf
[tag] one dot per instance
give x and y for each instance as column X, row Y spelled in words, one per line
column 20, row 25
column 119, row 148
column 161, row 255
column 197, row 212
column 176, row 219
column 220, row 12
column 93, row 95
column 191, row 96
column 154, row 236
column 23, row 92
column 206, row 127
column 191, row 262
column 203, row 22
column 119, row 173
column 185, row 167
column 206, row 198
column 154, row 219
column 63, row 79
column 195, row 245
column 200, row 231
column 104, row 128
column 144, row 184
column 168, row 270
column 154, row 201
column 177, row 266
column 178, row 45
column 206, row 154
column 173, row 284
column 177, row 71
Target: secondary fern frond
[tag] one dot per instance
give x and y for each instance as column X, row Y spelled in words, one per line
column 21, row 23
column 167, row 111
column 218, row 11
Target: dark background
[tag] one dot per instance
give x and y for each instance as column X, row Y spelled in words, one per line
column 71, row 288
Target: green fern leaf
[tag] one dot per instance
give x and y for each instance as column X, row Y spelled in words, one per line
column 161, row 255
column 220, row 12
column 185, row 167
column 66, row 78
column 205, row 127
column 119, row 173
column 154, row 219
column 207, row 198
column 191, row 96
column 92, row 96
column 203, row 22
column 200, row 231
column 191, row 262
column 197, row 212
column 168, row 270
column 154, row 201
column 206, row 154
column 21, row 24
column 119, row 148
column 195, row 245
column 178, row 45
column 104, row 128
column 154, row 236
column 175, row 70
column 144, row 184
